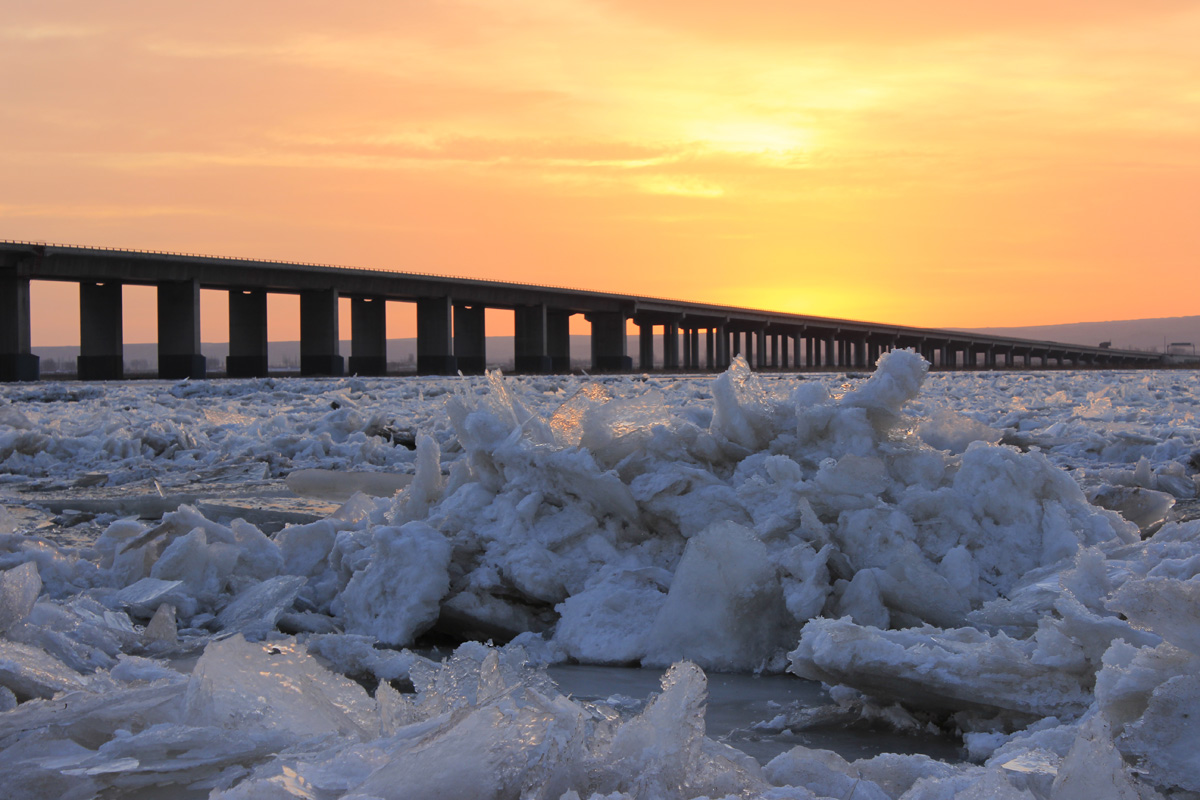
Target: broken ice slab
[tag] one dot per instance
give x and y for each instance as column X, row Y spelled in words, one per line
column 144, row 597
column 19, row 589
column 342, row 485
column 256, row 610
column 32, row 672
column 143, row 506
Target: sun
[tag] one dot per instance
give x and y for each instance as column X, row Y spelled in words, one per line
column 749, row 137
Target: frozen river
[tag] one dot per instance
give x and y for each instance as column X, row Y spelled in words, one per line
column 903, row 585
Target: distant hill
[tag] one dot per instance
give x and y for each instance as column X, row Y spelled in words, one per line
column 1127, row 334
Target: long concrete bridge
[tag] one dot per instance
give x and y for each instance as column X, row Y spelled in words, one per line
column 451, row 334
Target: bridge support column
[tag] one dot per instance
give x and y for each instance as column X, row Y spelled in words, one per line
column 470, row 339
column 722, row 342
column 685, row 336
column 609, row 342
column 319, row 333
column 645, row 347
column 101, row 349
column 179, row 353
column 694, row 346
column 531, row 345
column 17, row 362
column 671, row 345
column 435, row 336
column 774, row 357
column 760, row 345
column 558, row 339
column 247, row 334
column 710, row 350
column 368, row 336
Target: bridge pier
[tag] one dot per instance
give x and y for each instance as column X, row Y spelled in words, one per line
column 435, row 336
column 558, row 339
column 17, row 362
column 722, row 342
column 179, row 353
column 319, row 333
column 645, row 347
column 531, row 345
column 368, row 336
column 101, row 346
column 247, row 334
column 671, row 344
column 609, row 343
column 470, row 338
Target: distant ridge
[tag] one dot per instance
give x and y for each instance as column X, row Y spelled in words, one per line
column 1127, row 334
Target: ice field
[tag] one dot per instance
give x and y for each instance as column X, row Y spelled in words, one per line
column 234, row 589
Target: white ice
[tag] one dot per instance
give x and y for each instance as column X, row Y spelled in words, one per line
column 1005, row 555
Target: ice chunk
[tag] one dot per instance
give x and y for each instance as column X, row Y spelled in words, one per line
column 609, row 622
column 931, row 668
column 275, row 687
column 1165, row 737
column 1093, row 768
column 725, row 608
column 162, row 625
column 396, row 597
column 1169, row 607
column 19, row 589
column 32, row 672
column 822, row 772
column 340, row 485
column 144, row 597
column 255, row 611
column 953, row 432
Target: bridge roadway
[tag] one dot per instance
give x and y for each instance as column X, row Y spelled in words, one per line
column 451, row 334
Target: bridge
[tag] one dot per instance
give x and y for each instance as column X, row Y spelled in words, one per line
column 451, row 335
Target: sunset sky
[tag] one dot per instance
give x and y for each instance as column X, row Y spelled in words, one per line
column 951, row 163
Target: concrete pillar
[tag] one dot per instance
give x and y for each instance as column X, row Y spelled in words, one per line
column 101, row 346
column 710, row 351
column 17, row 362
column 685, row 335
column 723, row 355
column 470, row 339
column 774, row 351
column 671, row 345
column 532, row 340
column 558, row 339
column 645, row 347
column 179, row 354
column 319, row 353
column 247, row 334
column 368, row 336
column 736, row 346
column 761, row 345
column 810, row 352
column 831, row 350
column 435, row 336
column 694, row 336
column 609, row 342
column 797, row 350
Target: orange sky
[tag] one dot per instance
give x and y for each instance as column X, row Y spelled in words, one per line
column 946, row 163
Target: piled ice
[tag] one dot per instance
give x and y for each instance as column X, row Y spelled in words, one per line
column 868, row 536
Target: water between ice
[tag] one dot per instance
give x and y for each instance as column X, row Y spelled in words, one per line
column 741, row 709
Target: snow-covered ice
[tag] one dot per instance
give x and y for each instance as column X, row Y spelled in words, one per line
column 223, row 589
